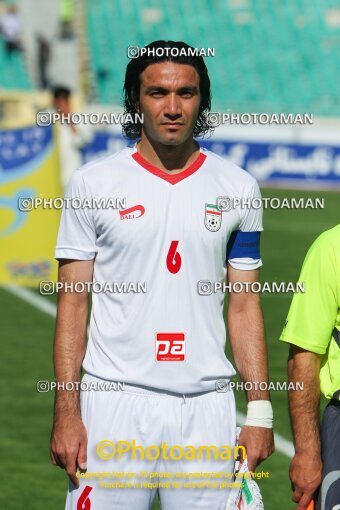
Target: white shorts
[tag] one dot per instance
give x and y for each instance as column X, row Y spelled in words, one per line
column 152, row 417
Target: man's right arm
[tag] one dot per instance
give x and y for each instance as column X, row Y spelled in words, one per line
column 308, row 330
column 69, row 438
column 306, row 466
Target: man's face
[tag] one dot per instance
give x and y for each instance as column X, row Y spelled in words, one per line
column 62, row 104
column 170, row 100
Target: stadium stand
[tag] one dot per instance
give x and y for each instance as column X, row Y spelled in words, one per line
column 15, row 76
column 13, row 70
column 284, row 73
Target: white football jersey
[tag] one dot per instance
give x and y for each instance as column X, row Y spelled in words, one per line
column 170, row 236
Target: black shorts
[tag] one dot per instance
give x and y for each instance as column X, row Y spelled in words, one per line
column 329, row 494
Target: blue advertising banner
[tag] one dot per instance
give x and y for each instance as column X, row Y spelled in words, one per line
column 22, row 150
column 266, row 161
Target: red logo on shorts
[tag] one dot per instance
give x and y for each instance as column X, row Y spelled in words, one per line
column 132, row 213
column 170, row 347
column 84, row 502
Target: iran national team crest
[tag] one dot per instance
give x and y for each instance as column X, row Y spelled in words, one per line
column 212, row 217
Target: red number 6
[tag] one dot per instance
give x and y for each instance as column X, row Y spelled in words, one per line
column 173, row 259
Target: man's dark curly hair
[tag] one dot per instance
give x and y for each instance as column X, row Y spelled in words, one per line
column 132, row 85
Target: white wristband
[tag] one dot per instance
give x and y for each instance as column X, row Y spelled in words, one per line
column 260, row 414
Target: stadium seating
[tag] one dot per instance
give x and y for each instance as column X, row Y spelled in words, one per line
column 13, row 69
column 13, row 75
column 270, row 56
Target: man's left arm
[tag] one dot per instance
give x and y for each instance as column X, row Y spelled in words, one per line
column 247, row 339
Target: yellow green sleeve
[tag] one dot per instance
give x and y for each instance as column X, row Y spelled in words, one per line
column 312, row 314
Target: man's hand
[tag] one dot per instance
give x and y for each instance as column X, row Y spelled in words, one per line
column 247, row 340
column 69, row 436
column 306, row 467
column 306, row 475
column 68, row 446
column 259, row 444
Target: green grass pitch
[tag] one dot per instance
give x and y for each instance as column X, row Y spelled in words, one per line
column 28, row 479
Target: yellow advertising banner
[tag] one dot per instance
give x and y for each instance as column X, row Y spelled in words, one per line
column 29, row 177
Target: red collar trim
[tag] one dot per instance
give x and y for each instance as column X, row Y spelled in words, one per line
column 171, row 178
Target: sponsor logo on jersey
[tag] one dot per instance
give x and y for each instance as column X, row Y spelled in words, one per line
column 170, row 347
column 212, row 217
column 132, row 213
column 84, row 502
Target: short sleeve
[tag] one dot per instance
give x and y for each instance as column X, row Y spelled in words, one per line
column 312, row 314
column 77, row 234
column 243, row 248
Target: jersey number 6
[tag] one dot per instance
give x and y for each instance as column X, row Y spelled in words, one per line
column 173, row 259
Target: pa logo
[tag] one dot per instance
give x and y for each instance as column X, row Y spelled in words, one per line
column 212, row 217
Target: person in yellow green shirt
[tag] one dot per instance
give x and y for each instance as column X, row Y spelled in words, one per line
column 67, row 13
column 313, row 331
